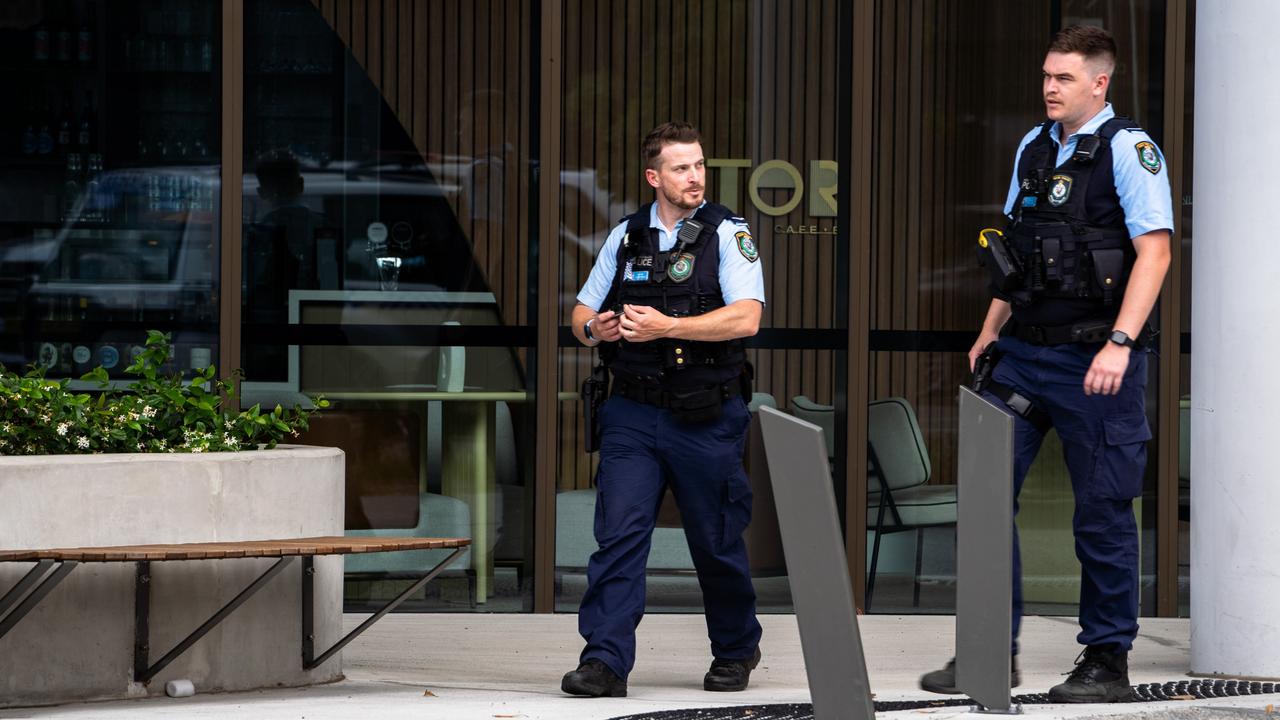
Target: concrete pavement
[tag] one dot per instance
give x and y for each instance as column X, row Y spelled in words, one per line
column 481, row 667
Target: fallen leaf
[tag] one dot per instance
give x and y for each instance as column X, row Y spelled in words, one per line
column 1182, row 697
column 428, row 693
column 1270, row 709
column 509, row 715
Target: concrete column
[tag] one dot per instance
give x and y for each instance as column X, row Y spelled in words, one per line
column 1235, row 387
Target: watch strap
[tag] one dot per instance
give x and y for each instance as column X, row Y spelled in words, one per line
column 1122, row 338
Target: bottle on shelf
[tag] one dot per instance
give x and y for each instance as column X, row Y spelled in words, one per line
column 45, row 138
column 88, row 124
column 40, row 42
column 65, row 124
column 84, row 37
column 71, row 187
column 95, row 202
column 62, row 36
column 29, row 140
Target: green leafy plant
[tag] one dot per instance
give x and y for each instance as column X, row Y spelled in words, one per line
column 157, row 413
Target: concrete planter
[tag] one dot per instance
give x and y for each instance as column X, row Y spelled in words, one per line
column 78, row 644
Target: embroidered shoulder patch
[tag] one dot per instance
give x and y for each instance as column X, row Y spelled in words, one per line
column 747, row 246
column 1149, row 157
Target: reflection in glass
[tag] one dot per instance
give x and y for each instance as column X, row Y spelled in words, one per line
column 379, row 245
column 101, row 236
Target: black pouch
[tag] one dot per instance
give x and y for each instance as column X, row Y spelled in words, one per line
column 695, row 406
column 1108, row 265
column 1051, row 252
column 1091, row 332
column 744, row 381
column 994, row 255
column 594, row 390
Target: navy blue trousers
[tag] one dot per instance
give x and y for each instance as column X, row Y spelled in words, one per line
column 1104, row 444
column 642, row 450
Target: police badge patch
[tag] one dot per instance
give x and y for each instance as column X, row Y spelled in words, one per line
column 1060, row 190
column 747, row 246
column 1149, row 157
column 681, row 269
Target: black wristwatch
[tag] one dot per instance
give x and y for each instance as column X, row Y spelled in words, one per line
column 1119, row 337
column 586, row 331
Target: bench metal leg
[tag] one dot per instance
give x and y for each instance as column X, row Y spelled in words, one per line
column 309, row 662
column 44, row 588
column 142, row 672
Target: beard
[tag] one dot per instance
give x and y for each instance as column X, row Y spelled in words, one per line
column 676, row 197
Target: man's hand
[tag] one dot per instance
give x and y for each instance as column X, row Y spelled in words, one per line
column 979, row 347
column 606, row 327
column 1107, row 371
column 641, row 323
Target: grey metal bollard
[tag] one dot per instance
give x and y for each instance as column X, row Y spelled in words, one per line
column 817, row 568
column 984, row 554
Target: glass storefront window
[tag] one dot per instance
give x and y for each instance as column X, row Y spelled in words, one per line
column 386, row 246
column 109, row 183
column 950, row 121
column 761, row 80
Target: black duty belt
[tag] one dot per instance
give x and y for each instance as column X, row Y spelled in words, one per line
column 675, row 398
column 1088, row 331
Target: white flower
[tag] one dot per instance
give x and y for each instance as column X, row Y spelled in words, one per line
column 148, row 411
column 45, row 417
column 197, row 449
column 142, row 448
column 83, row 442
column 8, row 428
column 62, row 428
column 230, row 441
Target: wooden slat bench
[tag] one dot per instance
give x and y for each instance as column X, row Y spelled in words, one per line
column 54, row 564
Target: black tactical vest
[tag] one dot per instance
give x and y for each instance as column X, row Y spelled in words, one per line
column 1069, row 233
column 682, row 282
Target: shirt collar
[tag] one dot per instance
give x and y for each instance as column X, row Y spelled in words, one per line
column 1090, row 127
column 654, row 222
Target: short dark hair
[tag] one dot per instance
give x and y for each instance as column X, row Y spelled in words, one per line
column 279, row 174
column 1090, row 41
column 670, row 133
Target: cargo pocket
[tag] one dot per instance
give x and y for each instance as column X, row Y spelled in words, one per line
column 1122, row 457
column 737, row 508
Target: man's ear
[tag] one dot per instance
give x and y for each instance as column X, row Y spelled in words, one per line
column 1101, row 83
column 651, row 176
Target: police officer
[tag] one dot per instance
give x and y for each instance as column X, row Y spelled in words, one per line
column 674, row 289
column 1091, row 217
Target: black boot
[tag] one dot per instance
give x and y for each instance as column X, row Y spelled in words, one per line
column 1101, row 676
column 730, row 675
column 594, row 679
column 944, row 681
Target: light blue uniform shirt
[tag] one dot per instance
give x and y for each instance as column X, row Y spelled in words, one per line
column 1145, row 196
column 740, row 278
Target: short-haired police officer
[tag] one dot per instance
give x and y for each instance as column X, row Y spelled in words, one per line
column 1091, row 216
column 675, row 288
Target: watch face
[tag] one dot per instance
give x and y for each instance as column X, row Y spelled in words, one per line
column 1120, row 338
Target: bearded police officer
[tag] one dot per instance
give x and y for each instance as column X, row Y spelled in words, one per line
column 674, row 289
column 1075, row 278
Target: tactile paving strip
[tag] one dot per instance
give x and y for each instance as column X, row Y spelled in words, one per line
column 1149, row 692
